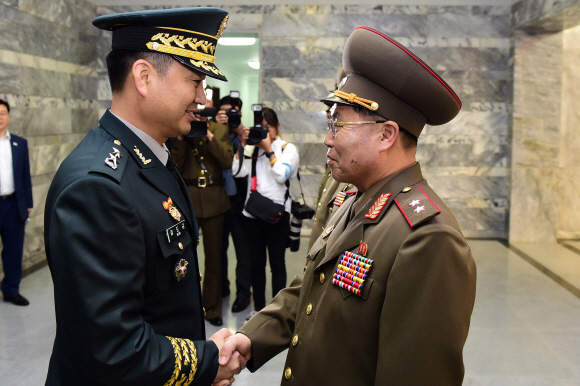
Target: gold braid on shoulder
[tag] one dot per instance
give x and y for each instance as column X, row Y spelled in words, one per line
column 353, row 98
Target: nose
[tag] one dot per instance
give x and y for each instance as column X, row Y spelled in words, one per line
column 200, row 97
column 329, row 139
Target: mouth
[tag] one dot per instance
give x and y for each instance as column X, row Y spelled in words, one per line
column 191, row 114
column 330, row 160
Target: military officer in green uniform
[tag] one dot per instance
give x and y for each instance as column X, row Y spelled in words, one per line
column 201, row 162
column 120, row 231
column 389, row 286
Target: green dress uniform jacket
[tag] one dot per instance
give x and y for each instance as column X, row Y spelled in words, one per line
column 408, row 326
column 216, row 155
column 122, row 316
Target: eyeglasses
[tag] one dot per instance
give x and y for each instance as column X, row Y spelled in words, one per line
column 333, row 124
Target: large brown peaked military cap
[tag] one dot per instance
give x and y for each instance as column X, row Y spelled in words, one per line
column 387, row 78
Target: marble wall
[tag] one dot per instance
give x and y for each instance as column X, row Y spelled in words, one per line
column 466, row 160
column 48, row 75
column 545, row 173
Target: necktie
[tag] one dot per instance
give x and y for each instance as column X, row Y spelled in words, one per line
column 171, row 167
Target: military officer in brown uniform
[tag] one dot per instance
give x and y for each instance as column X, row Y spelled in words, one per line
column 200, row 162
column 389, row 287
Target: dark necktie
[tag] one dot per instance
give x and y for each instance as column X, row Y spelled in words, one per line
column 171, row 167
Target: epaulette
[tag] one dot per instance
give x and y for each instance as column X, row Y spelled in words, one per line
column 111, row 160
column 416, row 206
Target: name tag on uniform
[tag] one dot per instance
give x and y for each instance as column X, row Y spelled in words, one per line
column 175, row 231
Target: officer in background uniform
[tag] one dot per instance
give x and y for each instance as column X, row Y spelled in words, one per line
column 389, row 286
column 120, row 230
column 201, row 162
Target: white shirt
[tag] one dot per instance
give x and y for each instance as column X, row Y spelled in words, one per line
column 6, row 171
column 271, row 180
column 159, row 150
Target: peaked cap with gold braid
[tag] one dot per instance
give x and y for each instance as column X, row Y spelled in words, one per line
column 388, row 79
column 189, row 35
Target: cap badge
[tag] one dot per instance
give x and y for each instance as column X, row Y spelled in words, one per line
column 342, row 82
column 222, row 27
column 111, row 161
column 378, row 206
column 351, row 272
column 141, row 157
column 181, row 269
column 173, row 211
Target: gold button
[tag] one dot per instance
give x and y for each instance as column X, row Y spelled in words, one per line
column 180, row 246
column 201, row 157
column 117, row 142
column 330, row 210
column 405, row 190
column 200, row 277
column 319, row 204
column 324, row 191
column 314, row 219
column 288, row 372
column 322, row 277
column 203, row 311
column 201, row 142
column 295, row 340
column 309, row 309
column 198, row 241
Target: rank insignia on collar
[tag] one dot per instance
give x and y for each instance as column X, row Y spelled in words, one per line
column 351, row 272
column 173, row 211
column 111, row 161
column 141, row 157
column 378, row 206
column 363, row 248
column 181, row 269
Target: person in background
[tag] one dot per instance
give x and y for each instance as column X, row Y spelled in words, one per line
column 15, row 205
column 276, row 161
column 201, row 162
column 234, row 219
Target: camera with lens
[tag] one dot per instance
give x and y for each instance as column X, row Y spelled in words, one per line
column 257, row 132
column 234, row 114
column 199, row 128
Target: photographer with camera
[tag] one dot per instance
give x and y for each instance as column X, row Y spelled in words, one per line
column 229, row 114
column 268, row 165
column 200, row 157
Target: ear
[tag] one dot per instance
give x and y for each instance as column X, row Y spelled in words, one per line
column 390, row 132
column 143, row 75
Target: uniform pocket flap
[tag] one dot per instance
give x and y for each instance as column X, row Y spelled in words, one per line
column 173, row 245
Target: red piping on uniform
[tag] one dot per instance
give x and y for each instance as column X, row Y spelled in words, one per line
column 419, row 61
column 429, row 199
column 354, row 191
column 404, row 214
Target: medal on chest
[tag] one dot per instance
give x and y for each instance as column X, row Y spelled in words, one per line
column 173, row 211
column 351, row 272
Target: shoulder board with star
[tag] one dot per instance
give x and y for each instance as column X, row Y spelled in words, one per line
column 416, row 206
column 111, row 160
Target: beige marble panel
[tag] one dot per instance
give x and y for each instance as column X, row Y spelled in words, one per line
column 534, row 209
column 569, row 203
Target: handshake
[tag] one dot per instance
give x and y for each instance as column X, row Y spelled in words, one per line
column 234, row 352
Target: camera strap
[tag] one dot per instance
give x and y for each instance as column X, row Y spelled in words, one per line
column 254, row 180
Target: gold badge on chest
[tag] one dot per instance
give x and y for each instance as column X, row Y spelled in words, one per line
column 173, row 211
column 181, row 269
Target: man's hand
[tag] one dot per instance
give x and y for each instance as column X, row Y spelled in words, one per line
column 236, row 344
column 209, row 135
column 233, row 366
column 221, row 117
column 245, row 136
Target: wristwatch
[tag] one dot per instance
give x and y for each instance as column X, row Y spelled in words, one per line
column 270, row 154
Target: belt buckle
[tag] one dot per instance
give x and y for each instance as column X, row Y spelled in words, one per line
column 201, row 182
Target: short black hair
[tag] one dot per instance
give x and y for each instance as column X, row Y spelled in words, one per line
column 270, row 116
column 408, row 140
column 3, row 102
column 120, row 62
column 227, row 100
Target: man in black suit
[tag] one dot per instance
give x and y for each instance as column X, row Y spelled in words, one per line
column 15, row 205
column 120, row 229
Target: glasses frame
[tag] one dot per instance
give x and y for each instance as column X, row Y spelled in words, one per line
column 333, row 124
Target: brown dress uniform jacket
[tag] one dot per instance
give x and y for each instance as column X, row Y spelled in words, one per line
column 410, row 323
column 216, row 155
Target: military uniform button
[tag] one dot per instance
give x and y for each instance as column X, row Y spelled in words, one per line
column 201, row 157
column 405, row 190
column 201, row 142
column 315, row 220
column 204, row 311
column 319, row 204
column 180, row 245
column 324, row 191
column 309, row 309
column 288, row 373
column 322, row 277
column 200, row 277
column 330, row 210
column 198, row 241
column 295, row 340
